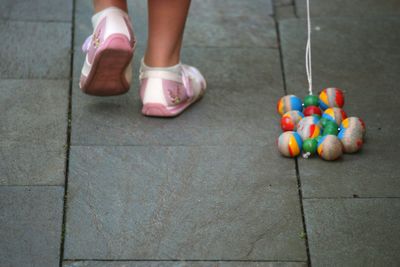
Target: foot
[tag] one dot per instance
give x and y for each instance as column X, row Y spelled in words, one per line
column 107, row 69
column 167, row 92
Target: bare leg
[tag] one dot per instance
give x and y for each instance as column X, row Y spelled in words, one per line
column 167, row 20
column 99, row 5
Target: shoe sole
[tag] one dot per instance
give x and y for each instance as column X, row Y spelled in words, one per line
column 107, row 74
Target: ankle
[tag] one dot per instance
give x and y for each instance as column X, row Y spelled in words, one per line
column 176, row 68
column 160, row 61
column 100, row 5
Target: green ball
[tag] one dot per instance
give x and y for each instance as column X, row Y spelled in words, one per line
column 310, row 145
column 318, row 138
column 323, row 122
column 330, row 123
column 330, row 128
column 311, row 100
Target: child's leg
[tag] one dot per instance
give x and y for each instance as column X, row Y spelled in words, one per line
column 100, row 5
column 167, row 86
column 166, row 25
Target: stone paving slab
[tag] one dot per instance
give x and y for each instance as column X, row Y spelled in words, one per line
column 230, row 23
column 181, row 264
column 30, row 219
column 353, row 232
column 242, row 9
column 354, row 8
column 199, row 203
column 33, row 126
column 235, row 94
column 32, row 165
column 36, row 10
column 285, row 12
column 210, row 24
column 35, row 50
column 350, row 54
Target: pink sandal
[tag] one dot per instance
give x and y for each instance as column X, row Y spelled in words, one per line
column 167, row 94
column 107, row 69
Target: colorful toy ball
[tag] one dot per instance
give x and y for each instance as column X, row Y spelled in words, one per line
column 335, row 114
column 289, row 144
column 311, row 100
column 290, row 120
column 331, row 97
column 351, row 134
column 288, row 103
column 330, row 128
column 351, row 139
column 309, row 147
column 308, row 121
column 312, row 110
column 322, row 122
column 329, row 147
column 308, row 131
column 354, row 122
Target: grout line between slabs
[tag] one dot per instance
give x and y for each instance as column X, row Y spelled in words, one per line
column 303, row 218
column 5, row 20
column 278, row 36
column 352, row 198
column 180, row 260
column 170, row 145
column 304, row 198
column 68, row 139
column 295, row 9
column 300, row 193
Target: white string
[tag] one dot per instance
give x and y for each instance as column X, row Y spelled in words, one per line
column 308, row 50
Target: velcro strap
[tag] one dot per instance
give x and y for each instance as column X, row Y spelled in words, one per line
column 167, row 75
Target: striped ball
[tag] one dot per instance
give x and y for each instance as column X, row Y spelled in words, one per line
column 329, row 147
column 289, row 144
column 288, row 103
column 354, row 122
column 331, row 97
column 308, row 120
column 335, row 114
column 308, row 131
column 290, row 120
column 352, row 131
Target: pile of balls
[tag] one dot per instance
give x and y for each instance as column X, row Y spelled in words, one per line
column 318, row 125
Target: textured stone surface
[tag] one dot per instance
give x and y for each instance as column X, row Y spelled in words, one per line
column 211, row 8
column 239, row 107
column 350, row 54
column 223, row 23
column 353, row 232
column 34, row 50
column 230, row 23
column 279, row 3
column 33, row 126
column 33, row 111
column 32, row 165
column 354, row 8
column 181, row 264
column 37, row 10
column 285, row 12
column 30, row 219
column 202, row 203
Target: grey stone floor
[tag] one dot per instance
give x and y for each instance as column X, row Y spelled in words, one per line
column 88, row 181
